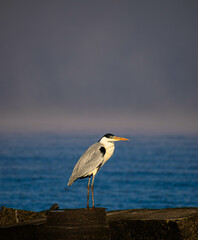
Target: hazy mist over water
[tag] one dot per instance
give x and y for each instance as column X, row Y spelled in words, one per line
column 99, row 65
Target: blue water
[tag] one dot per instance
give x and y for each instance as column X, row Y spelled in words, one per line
column 147, row 172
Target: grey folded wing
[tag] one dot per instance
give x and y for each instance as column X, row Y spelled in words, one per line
column 89, row 161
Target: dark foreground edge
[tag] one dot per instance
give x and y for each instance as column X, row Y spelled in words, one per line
column 134, row 224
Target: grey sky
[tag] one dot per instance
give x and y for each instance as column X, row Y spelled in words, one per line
column 99, row 65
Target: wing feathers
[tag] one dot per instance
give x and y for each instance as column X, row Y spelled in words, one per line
column 89, row 161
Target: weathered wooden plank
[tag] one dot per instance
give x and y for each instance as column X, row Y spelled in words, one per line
column 94, row 232
column 77, row 217
column 77, row 224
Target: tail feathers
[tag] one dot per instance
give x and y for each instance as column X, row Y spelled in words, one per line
column 71, row 180
column 69, row 183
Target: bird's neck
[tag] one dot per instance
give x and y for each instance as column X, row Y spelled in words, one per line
column 109, row 146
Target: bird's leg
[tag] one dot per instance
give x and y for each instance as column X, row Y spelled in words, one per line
column 92, row 193
column 88, row 188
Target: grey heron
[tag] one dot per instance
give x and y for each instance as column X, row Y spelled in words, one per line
column 92, row 161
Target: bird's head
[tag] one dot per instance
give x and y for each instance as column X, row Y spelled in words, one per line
column 111, row 138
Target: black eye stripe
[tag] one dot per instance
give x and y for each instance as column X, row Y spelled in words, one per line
column 109, row 135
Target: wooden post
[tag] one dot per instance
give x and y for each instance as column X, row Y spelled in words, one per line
column 77, row 224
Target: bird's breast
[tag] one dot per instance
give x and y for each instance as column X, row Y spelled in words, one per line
column 109, row 153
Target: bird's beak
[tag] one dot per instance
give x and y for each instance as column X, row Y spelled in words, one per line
column 115, row 138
